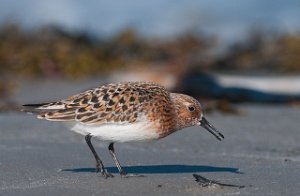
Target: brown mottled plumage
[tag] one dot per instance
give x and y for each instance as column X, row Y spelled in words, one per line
column 124, row 112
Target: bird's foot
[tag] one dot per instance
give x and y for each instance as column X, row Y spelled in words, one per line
column 106, row 174
column 103, row 172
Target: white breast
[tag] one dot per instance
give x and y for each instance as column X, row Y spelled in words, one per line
column 128, row 132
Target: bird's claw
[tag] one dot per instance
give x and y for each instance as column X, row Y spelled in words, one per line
column 106, row 174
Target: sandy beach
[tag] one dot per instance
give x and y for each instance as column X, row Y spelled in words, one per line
column 261, row 151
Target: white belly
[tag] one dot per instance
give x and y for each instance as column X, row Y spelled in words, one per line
column 140, row 131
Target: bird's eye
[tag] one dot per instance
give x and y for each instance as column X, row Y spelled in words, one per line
column 191, row 108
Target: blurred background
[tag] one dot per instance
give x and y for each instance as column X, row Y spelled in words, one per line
column 222, row 52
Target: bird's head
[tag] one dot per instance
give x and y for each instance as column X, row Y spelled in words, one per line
column 189, row 113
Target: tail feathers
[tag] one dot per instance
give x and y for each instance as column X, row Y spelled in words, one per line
column 31, row 111
column 36, row 105
column 46, row 106
column 40, row 107
column 32, row 108
column 53, row 111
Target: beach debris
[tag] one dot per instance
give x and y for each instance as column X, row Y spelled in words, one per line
column 204, row 182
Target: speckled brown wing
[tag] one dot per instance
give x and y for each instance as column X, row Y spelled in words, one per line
column 118, row 102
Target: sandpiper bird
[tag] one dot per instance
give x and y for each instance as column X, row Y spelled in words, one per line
column 124, row 112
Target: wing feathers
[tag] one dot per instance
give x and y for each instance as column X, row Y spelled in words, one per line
column 120, row 102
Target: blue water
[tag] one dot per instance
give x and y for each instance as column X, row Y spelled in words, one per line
column 228, row 19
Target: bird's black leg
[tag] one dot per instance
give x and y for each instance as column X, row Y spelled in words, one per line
column 121, row 171
column 99, row 164
column 112, row 152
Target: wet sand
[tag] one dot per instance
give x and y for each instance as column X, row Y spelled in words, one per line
column 261, row 151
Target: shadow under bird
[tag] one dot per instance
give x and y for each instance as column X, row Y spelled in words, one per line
column 124, row 112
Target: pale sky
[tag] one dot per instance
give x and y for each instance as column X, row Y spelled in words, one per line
column 228, row 19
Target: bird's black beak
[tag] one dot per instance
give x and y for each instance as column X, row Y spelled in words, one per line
column 211, row 129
